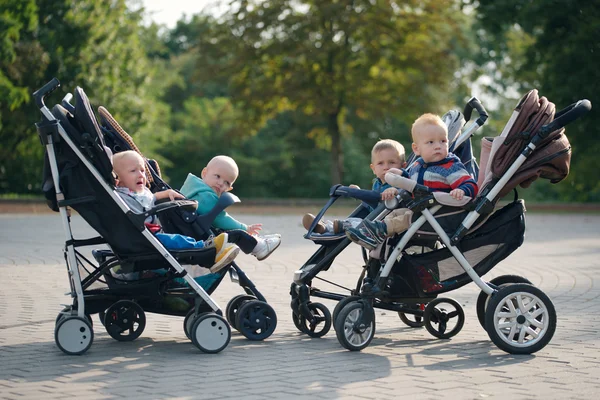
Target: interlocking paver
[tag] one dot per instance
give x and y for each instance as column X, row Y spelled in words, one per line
column 560, row 255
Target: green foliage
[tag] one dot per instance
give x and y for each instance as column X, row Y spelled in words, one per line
column 323, row 58
column 551, row 45
column 95, row 45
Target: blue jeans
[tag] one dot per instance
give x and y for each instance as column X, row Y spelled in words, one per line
column 178, row 242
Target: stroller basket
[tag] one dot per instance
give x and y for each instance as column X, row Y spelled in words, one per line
column 495, row 240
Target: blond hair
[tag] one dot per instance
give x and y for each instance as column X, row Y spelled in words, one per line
column 424, row 120
column 389, row 144
column 224, row 160
column 124, row 155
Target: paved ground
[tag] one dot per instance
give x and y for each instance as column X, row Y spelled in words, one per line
column 560, row 255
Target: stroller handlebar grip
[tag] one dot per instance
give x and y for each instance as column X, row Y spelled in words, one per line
column 44, row 91
column 565, row 117
column 369, row 196
column 66, row 103
column 474, row 103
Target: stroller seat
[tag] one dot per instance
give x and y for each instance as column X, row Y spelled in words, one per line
column 249, row 313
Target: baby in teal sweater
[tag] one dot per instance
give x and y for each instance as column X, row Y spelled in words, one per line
column 217, row 178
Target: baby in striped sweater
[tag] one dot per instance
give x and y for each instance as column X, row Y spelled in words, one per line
column 435, row 168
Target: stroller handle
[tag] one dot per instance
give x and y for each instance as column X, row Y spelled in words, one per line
column 565, row 117
column 368, row 196
column 475, row 104
column 44, row 91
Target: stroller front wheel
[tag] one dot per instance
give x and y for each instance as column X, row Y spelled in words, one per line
column 125, row 321
column 256, row 320
column 444, row 321
column 319, row 323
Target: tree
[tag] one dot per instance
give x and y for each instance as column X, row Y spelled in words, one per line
column 551, row 45
column 327, row 59
column 95, row 45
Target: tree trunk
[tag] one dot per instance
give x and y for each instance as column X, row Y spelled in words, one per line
column 337, row 155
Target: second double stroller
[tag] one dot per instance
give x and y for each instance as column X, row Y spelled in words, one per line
column 459, row 242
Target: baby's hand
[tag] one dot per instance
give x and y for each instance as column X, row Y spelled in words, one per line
column 389, row 193
column 458, row 194
column 174, row 195
column 354, row 186
column 254, row 229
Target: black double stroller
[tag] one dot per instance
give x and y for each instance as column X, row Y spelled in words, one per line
column 449, row 243
column 78, row 175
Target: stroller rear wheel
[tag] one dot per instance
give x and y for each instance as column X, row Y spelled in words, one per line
column 256, row 320
column 73, row 335
column 210, row 333
column 341, row 304
column 68, row 311
column 125, row 321
column 233, row 306
column 520, row 318
column 484, row 298
column 439, row 317
column 351, row 329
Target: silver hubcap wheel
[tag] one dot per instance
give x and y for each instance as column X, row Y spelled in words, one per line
column 521, row 319
column 356, row 336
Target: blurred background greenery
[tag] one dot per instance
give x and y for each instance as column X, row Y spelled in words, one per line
column 296, row 91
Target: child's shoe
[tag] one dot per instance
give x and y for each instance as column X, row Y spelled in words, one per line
column 226, row 252
column 307, row 221
column 368, row 234
column 224, row 257
column 266, row 245
column 216, row 241
column 338, row 226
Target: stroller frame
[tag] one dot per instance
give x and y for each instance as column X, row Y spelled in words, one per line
column 307, row 315
column 248, row 313
column 73, row 330
column 518, row 317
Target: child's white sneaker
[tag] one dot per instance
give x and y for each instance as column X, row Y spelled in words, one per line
column 266, row 245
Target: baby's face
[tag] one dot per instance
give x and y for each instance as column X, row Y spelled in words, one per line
column 131, row 174
column 219, row 177
column 431, row 143
column 383, row 160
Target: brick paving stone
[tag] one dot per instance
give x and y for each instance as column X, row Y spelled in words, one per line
column 404, row 361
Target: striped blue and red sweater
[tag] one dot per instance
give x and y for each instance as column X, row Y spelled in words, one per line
column 442, row 176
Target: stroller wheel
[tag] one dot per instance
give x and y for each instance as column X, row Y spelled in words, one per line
column 484, row 298
column 68, row 311
column 73, row 335
column 210, row 333
column 415, row 322
column 351, row 330
column 256, row 320
column 125, row 320
column 188, row 321
column 233, row 306
column 320, row 322
column 101, row 316
column 444, row 320
column 520, row 318
column 340, row 305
